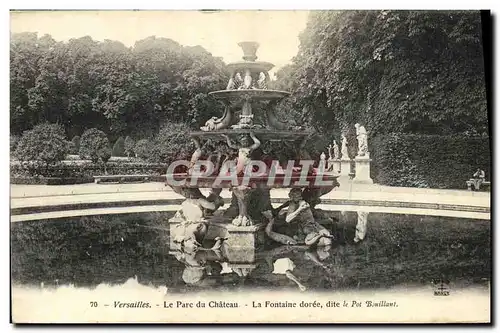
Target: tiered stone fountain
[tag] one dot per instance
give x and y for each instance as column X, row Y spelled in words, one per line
column 249, row 120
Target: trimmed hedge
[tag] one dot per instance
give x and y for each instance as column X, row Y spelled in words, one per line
column 85, row 171
column 428, row 160
column 50, row 181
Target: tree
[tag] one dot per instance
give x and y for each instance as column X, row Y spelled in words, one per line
column 76, row 144
column 393, row 71
column 119, row 147
column 143, row 149
column 45, row 143
column 26, row 50
column 94, row 145
column 129, row 146
column 172, row 143
column 83, row 83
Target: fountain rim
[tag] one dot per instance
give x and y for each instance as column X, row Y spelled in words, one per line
column 252, row 65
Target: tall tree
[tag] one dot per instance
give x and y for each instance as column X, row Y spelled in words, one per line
column 395, row 71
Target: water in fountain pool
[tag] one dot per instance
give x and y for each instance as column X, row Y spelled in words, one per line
column 399, row 250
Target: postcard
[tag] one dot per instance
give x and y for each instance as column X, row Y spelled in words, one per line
column 229, row 166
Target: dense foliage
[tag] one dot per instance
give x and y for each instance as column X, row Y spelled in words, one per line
column 119, row 147
column 75, row 145
column 171, row 143
column 85, row 170
column 129, row 146
column 414, row 79
column 143, row 148
column 122, row 91
column 429, row 160
column 14, row 140
column 94, row 145
column 45, row 143
column 393, row 71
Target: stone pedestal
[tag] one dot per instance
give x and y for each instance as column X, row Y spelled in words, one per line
column 334, row 166
column 345, row 167
column 244, row 237
column 241, row 240
column 363, row 170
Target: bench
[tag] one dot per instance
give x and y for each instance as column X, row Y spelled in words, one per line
column 122, row 178
column 485, row 184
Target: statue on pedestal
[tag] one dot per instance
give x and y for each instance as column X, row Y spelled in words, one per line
column 323, row 156
column 336, row 152
column 345, row 153
column 362, row 137
column 330, row 152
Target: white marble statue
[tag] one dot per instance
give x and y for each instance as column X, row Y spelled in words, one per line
column 345, row 153
column 336, row 152
column 362, row 137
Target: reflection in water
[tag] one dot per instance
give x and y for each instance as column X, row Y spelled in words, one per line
column 361, row 226
column 400, row 250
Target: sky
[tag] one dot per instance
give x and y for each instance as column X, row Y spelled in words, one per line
column 218, row 32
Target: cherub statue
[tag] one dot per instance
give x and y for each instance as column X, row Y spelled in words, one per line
column 196, row 155
column 261, row 82
column 299, row 212
column 245, row 149
column 238, row 81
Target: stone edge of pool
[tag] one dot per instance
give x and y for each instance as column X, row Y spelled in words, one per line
column 34, row 212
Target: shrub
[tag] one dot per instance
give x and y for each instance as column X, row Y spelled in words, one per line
column 45, row 143
column 14, row 140
column 129, row 146
column 119, row 147
column 143, row 149
column 428, row 160
column 94, row 145
column 75, row 145
column 172, row 143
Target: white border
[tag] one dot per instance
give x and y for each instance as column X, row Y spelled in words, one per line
column 144, row 4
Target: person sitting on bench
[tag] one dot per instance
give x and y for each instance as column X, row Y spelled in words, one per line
column 478, row 179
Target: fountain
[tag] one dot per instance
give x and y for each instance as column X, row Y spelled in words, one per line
column 249, row 120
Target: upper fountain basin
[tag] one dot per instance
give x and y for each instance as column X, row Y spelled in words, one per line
column 255, row 94
column 253, row 66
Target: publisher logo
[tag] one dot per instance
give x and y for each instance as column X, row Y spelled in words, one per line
column 441, row 288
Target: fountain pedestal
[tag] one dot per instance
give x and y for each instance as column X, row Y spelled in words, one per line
column 363, row 169
column 242, row 224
